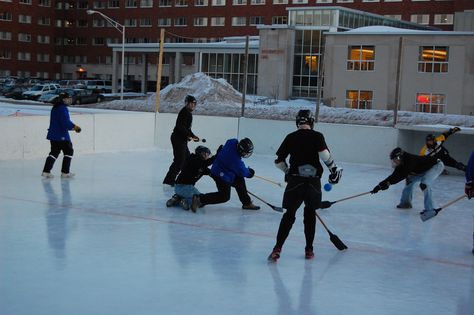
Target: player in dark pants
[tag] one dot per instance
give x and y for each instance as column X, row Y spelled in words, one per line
column 228, row 170
column 179, row 139
column 58, row 135
column 305, row 148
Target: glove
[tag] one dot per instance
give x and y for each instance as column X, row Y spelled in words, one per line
column 335, row 176
column 454, row 130
column 252, row 172
column 194, row 138
column 469, row 190
column 77, row 128
column 461, row 166
column 379, row 187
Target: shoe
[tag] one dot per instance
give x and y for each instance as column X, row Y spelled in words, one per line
column 67, row 175
column 404, row 206
column 308, row 254
column 250, row 206
column 275, row 254
column 174, row 201
column 47, row 175
column 196, row 203
column 184, row 204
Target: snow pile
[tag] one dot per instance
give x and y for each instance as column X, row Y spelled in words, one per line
column 216, row 97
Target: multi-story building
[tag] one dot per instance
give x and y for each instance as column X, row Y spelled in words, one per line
column 57, row 39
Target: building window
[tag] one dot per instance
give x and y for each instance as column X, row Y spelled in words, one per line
column 99, row 22
column 323, row 1
column 239, row 21
column 83, row 5
column 218, row 21
column 180, row 21
column 181, row 3
column 430, row 103
column 5, row 35
column 256, row 20
column 43, row 39
column 357, row 99
column 44, row 3
column 280, row 19
column 300, row 1
column 200, row 21
column 130, row 22
column 24, row 37
column 361, row 58
column 433, row 59
column 146, row 3
column 200, row 3
column 393, row 0
column 257, row 2
column 113, row 4
column 306, row 63
column 443, row 19
column 165, row 3
column 394, row 16
column 131, row 4
column 164, row 22
column 370, row 0
column 99, row 5
column 25, row 2
column 24, row 56
column 5, row 54
column 280, row 1
column 145, row 22
column 423, row 19
column 42, row 57
column 239, row 2
column 218, row 3
column 5, row 16
column 344, row 1
column 25, row 19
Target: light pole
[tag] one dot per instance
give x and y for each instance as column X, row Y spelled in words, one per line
column 121, row 29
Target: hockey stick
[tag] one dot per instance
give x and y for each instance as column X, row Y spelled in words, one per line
column 333, row 237
column 327, row 204
column 278, row 209
column 426, row 215
column 268, row 180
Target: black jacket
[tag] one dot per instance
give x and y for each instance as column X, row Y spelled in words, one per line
column 184, row 121
column 410, row 165
column 194, row 168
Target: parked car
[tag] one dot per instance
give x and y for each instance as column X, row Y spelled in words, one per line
column 73, row 84
column 36, row 91
column 79, row 96
column 103, row 86
column 16, row 93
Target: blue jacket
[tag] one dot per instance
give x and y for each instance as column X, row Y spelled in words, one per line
column 470, row 169
column 59, row 124
column 228, row 163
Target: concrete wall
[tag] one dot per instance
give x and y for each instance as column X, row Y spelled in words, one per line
column 24, row 137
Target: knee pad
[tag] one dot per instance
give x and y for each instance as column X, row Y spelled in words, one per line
column 423, row 186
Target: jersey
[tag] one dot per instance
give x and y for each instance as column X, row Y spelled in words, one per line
column 303, row 147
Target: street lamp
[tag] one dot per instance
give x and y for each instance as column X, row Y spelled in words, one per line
column 121, row 29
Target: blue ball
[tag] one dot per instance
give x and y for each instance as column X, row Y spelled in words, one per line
column 327, row 187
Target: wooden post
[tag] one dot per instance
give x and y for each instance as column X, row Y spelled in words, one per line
column 245, row 64
column 397, row 83
column 160, row 68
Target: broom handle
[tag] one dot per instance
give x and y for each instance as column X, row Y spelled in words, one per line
column 268, row 180
column 350, row 197
column 453, row 201
column 322, row 222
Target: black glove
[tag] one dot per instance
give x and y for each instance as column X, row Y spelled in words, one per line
column 252, row 172
column 454, row 130
column 379, row 187
column 335, row 176
column 77, row 128
column 461, row 166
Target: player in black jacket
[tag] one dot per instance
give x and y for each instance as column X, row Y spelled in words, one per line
column 305, row 148
column 413, row 168
column 195, row 167
column 179, row 139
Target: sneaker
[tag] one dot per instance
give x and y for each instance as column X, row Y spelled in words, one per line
column 174, row 201
column 250, row 206
column 275, row 254
column 67, row 175
column 404, row 206
column 184, row 204
column 47, row 175
column 196, row 203
column 309, row 254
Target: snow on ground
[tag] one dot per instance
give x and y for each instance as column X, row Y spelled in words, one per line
column 216, row 97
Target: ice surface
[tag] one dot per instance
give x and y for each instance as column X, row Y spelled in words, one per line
column 105, row 243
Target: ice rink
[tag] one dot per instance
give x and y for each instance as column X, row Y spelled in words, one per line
column 104, row 243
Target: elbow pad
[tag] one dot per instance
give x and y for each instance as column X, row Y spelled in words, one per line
column 326, row 157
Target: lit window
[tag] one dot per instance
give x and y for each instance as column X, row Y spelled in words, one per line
column 433, row 59
column 356, row 99
column 430, row 103
column 361, row 58
column 443, row 19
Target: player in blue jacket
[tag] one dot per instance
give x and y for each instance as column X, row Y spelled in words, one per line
column 58, row 134
column 229, row 170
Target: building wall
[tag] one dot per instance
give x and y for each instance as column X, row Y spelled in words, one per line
column 456, row 84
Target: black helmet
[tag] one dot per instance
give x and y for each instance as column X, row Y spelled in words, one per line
column 59, row 99
column 304, row 117
column 189, row 99
column 201, row 151
column 245, row 147
column 396, row 154
column 432, row 139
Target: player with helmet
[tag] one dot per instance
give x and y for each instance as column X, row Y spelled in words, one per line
column 195, row 167
column 228, row 170
column 179, row 139
column 415, row 169
column 58, row 134
column 434, row 147
column 305, row 148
